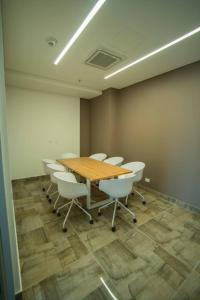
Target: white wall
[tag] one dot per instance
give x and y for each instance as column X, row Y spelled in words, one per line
column 40, row 125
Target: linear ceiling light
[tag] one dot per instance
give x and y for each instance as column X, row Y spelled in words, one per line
column 183, row 37
column 87, row 20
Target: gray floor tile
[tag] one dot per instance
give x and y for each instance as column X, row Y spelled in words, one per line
column 157, row 258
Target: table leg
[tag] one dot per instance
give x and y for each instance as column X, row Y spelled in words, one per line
column 89, row 194
column 89, row 203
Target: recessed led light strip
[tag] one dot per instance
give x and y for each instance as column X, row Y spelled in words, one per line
column 183, row 37
column 89, row 17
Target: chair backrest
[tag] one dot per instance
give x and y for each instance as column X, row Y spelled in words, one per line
column 98, row 156
column 115, row 160
column 68, row 155
column 52, row 168
column 45, row 162
column 137, row 167
column 68, row 187
column 117, row 188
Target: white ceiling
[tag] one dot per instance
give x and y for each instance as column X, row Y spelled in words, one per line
column 129, row 28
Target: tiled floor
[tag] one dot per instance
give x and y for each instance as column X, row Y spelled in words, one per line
column 157, row 258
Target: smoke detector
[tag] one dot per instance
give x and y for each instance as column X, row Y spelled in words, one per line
column 51, row 42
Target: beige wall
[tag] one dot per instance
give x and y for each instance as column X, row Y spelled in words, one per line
column 40, row 125
column 156, row 121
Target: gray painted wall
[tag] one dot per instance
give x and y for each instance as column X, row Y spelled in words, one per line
column 85, row 127
column 156, row 121
column 102, row 123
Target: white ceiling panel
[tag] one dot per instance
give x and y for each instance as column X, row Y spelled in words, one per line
column 127, row 28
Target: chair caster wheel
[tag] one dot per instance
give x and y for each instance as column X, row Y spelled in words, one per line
column 118, row 207
column 134, row 220
column 99, row 214
column 64, row 229
column 113, row 229
column 43, row 189
column 47, row 196
column 58, row 214
column 54, row 211
column 49, row 200
column 126, row 205
column 143, row 202
column 132, row 194
column 91, row 221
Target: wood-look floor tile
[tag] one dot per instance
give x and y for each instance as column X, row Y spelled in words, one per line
column 28, row 221
column 73, row 282
column 104, row 292
column 71, row 251
column 39, row 266
column 118, row 261
column 157, row 258
column 135, row 259
column 48, row 289
column 190, row 289
column 178, row 232
column 76, row 282
column 154, row 288
column 26, row 202
column 68, row 246
column 198, row 267
column 95, row 235
column 33, row 242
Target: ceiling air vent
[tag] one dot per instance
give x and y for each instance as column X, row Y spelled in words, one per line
column 102, row 59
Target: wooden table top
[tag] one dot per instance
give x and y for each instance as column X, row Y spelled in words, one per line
column 92, row 169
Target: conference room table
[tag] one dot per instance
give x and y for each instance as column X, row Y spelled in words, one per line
column 93, row 170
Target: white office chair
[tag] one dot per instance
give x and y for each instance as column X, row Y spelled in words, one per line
column 45, row 162
column 115, row 160
column 117, row 188
column 68, row 155
column 98, row 156
column 52, row 168
column 69, row 188
column 138, row 168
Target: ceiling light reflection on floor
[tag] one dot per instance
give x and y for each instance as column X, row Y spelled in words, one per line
column 108, row 289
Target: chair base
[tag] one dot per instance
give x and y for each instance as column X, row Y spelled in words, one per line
column 70, row 204
column 117, row 204
column 113, row 229
column 133, row 193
